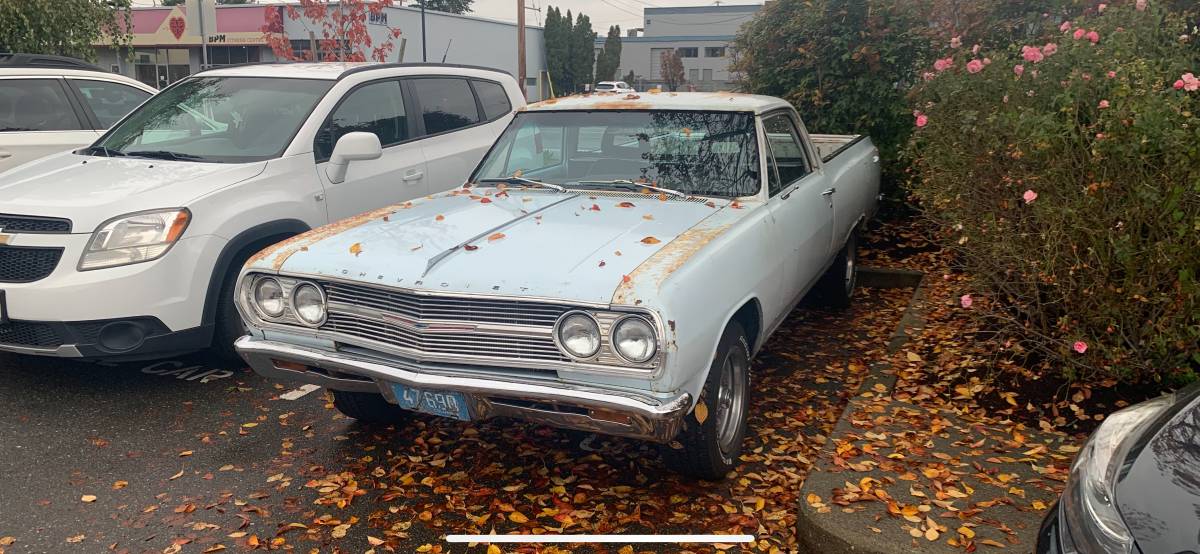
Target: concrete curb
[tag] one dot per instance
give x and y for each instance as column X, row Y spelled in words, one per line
column 813, row 533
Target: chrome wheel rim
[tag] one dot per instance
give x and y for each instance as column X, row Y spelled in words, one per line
column 731, row 394
column 851, row 258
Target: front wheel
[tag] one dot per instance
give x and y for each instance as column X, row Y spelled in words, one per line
column 711, row 440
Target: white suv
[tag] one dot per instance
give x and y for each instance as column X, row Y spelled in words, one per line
column 614, row 86
column 51, row 103
column 128, row 248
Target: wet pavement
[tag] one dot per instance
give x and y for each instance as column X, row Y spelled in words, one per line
column 187, row 456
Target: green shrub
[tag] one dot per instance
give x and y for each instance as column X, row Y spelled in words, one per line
column 1066, row 179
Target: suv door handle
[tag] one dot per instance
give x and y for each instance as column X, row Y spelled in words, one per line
column 413, row 176
column 5, row 154
column 829, row 191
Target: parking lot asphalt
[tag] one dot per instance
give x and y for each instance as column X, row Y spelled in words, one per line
column 188, row 456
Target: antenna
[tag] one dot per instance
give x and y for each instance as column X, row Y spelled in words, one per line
column 447, row 52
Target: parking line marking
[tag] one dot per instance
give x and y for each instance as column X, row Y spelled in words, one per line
column 517, row 539
column 299, row 393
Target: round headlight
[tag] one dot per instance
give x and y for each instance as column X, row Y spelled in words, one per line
column 634, row 339
column 579, row 335
column 268, row 297
column 309, row 303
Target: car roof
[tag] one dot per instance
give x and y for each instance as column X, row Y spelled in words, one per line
column 684, row 101
column 65, row 72
column 328, row 70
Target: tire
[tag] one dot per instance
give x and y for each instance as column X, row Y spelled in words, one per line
column 367, row 407
column 835, row 289
column 710, row 442
column 228, row 326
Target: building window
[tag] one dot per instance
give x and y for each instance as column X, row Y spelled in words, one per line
column 689, row 52
column 707, row 74
column 230, row 55
column 714, row 51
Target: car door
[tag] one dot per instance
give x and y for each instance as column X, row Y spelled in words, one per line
column 106, row 102
column 38, row 118
column 398, row 175
column 799, row 202
column 459, row 128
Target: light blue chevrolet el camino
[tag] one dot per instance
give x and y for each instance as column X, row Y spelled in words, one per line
column 613, row 265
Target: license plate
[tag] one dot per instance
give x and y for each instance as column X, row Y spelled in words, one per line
column 439, row 403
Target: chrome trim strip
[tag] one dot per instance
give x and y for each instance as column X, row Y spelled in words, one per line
column 63, row 351
column 649, row 417
column 445, row 254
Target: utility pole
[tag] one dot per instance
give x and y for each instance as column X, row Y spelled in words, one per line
column 521, row 47
column 424, row 53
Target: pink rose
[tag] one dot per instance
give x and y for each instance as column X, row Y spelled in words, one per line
column 1190, row 82
column 1049, row 49
column 975, row 49
column 943, row 64
column 966, row 301
column 1080, row 346
column 1104, row 104
column 1099, row 136
column 1020, row 69
column 1079, row 33
column 1029, row 196
column 1032, row 54
column 1066, row 26
column 1093, row 36
column 922, row 120
column 987, row 61
column 1178, row 84
column 1101, row 8
column 928, row 75
column 955, row 42
column 974, row 66
column 1140, row 5
column 1112, row 74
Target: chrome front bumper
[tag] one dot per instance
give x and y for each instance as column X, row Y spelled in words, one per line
column 583, row 407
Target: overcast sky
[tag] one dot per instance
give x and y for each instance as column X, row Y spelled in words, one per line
column 626, row 13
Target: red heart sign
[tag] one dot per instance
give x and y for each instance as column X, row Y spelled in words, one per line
column 177, row 25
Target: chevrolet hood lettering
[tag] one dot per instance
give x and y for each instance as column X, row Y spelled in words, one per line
column 513, row 242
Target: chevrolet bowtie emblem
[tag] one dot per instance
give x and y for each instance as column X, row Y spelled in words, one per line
column 417, row 325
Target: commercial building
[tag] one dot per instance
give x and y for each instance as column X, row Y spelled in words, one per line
column 169, row 43
column 701, row 34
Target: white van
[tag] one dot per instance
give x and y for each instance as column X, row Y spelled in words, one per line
column 128, row 248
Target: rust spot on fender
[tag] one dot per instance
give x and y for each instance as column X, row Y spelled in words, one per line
column 284, row 250
column 662, row 264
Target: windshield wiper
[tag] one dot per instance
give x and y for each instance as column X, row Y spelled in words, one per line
column 634, row 185
column 522, row 181
column 104, row 150
column 163, row 155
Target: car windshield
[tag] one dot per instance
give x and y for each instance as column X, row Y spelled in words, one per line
column 605, row 86
column 216, row 119
column 693, row 152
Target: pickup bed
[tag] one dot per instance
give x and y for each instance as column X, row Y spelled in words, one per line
column 613, row 265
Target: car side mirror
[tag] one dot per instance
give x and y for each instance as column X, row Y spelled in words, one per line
column 356, row 146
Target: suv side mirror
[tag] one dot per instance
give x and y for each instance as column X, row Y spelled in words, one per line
column 351, row 147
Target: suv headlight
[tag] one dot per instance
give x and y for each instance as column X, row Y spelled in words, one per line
column 578, row 335
column 1093, row 521
column 634, row 339
column 134, row 238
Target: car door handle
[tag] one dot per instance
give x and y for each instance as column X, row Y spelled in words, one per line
column 829, row 191
column 5, row 154
column 413, row 176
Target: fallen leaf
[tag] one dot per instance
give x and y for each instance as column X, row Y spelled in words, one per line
column 214, row 548
column 625, row 205
column 440, row 217
column 495, row 237
column 76, row 539
column 470, row 247
column 517, row 517
column 650, row 240
column 88, row 498
column 185, row 453
column 176, row 476
column 485, row 200
column 356, row 248
column 594, row 208
column 374, row 541
column 648, row 217
column 120, row 485
column 701, row 412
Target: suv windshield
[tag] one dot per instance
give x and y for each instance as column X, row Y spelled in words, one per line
column 699, row 153
column 216, row 119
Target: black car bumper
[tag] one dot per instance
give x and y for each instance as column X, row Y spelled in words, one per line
column 123, row 339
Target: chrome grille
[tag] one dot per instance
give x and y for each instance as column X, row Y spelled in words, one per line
column 426, row 308
column 469, row 344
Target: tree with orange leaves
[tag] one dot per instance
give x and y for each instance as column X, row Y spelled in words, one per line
column 339, row 29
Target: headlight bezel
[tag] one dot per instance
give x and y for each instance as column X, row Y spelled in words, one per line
column 556, row 331
column 616, row 348
column 179, row 220
column 1089, row 507
column 252, row 296
column 324, row 302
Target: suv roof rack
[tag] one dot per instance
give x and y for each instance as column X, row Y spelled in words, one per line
column 10, row 59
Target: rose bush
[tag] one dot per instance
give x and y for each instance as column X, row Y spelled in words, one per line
column 1064, row 173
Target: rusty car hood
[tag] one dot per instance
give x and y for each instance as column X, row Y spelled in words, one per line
column 516, row 242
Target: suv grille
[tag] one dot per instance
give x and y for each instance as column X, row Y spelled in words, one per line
column 33, row 224
column 20, row 264
column 22, row 333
